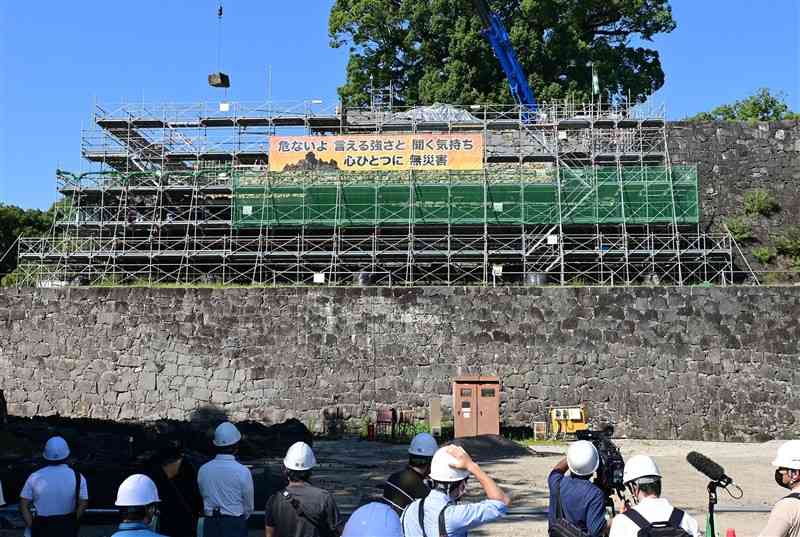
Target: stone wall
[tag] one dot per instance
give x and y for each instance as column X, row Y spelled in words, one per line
column 734, row 158
column 717, row 363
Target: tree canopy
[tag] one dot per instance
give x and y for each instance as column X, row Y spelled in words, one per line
column 433, row 51
column 761, row 106
column 14, row 222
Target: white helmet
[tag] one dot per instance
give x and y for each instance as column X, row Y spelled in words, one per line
column 788, row 455
column 441, row 469
column 640, row 466
column 582, row 458
column 226, row 434
column 300, row 457
column 423, row 445
column 136, row 491
column 56, row 449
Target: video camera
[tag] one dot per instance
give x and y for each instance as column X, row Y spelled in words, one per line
column 612, row 465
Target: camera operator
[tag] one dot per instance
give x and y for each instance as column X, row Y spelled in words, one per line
column 643, row 480
column 582, row 502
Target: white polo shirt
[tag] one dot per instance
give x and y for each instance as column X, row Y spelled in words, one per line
column 226, row 485
column 52, row 490
column 653, row 510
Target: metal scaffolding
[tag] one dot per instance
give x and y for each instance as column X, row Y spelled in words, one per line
column 579, row 194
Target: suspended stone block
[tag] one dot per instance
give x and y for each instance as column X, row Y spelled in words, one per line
column 219, row 80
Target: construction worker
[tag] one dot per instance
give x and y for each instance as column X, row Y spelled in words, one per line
column 58, row 492
column 137, row 499
column 301, row 510
column 439, row 513
column 375, row 519
column 581, row 502
column 784, row 520
column 226, row 487
column 176, row 479
column 642, row 478
column 407, row 485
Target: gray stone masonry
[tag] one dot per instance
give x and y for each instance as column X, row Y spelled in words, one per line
column 734, row 157
column 710, row 363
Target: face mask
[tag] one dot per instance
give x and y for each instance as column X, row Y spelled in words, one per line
column 779, row 478
column 459, row 491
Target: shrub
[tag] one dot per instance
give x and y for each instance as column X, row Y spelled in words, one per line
column 759, row 202
column 788, row 244
column 764, row 254
column 10, row 280
column 740, row 228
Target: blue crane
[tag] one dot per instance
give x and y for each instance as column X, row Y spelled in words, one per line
column 495, row 32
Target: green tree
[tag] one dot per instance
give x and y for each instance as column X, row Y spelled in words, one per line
column 433, row 51
column 14, row 222
column 761, row 106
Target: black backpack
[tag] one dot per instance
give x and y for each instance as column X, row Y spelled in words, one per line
column 562, row 527
column 667, row 528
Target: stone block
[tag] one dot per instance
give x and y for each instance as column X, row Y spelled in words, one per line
column 201, row 394
column 220, row 397
column 147, row 380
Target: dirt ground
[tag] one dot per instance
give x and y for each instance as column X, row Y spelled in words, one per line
column 354, row 470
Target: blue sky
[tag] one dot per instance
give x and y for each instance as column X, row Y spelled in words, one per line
column 56, row 58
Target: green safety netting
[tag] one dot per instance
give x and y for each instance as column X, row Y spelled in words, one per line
column 596, row 195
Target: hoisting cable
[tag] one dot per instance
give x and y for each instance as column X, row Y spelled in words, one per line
column 219, row 37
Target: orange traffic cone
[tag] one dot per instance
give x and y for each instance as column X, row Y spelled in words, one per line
column 730, row 532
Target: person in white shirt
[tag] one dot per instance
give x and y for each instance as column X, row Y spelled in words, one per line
column 643, row 480
column 226, row 487
column 57, row 494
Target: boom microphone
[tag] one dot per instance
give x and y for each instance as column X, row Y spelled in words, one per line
column 709, row 468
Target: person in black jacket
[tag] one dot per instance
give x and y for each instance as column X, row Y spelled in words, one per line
column 176, row 480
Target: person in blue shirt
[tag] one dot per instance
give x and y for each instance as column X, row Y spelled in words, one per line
column 137, row 499
column 582, row 502
column 440, row 514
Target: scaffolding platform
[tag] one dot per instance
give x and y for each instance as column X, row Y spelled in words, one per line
column 575, row 194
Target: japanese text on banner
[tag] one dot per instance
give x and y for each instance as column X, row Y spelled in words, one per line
column 462, row 151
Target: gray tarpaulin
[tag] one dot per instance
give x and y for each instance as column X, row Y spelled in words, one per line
column 444, row 113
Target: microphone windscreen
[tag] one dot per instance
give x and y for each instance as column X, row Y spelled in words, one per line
column 703, row 464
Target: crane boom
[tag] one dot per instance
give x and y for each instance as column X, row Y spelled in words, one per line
column 495, row 32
